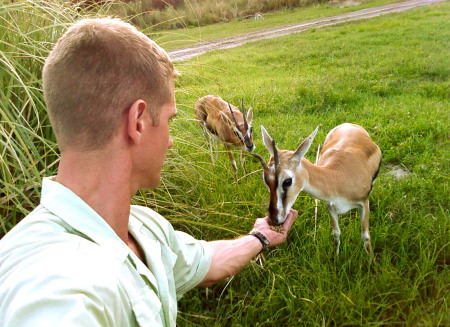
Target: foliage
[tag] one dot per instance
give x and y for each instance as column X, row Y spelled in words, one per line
column 27, row 146
column 175, row 14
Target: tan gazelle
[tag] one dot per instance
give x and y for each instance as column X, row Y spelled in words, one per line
column 227, row 124
column 342, row 179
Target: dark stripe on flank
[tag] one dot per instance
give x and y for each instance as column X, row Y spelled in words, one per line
column 210, row 129
column 374, row 177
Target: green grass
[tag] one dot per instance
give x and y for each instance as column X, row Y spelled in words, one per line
column 28, row 150
column 180, row 38
column 389, row 74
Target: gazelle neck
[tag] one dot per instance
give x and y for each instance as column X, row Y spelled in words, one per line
column 316, row 179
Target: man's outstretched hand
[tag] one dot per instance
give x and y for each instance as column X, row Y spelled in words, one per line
column 275, row 238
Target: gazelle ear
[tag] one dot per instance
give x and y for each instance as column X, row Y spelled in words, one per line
column 249, row 115
column 267, row 140
column 304, row 147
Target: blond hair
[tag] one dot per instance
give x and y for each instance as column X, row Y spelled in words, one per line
column 96, row 70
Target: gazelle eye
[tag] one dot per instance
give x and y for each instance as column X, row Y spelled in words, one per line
column 287, row 182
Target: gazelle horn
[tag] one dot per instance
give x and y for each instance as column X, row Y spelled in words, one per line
column 261, row 159
column 275, row 155
column 243, row 114
column 232, row 115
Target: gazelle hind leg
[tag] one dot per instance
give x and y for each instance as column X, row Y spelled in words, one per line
column 212, row 146
column 364, row 212
column 336, row 229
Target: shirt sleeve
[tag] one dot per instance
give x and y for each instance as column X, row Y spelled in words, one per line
column 193, row 263
column 191, row 257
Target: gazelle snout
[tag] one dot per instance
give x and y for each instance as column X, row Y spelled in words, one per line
column 280, row 204
column 278, row 212
column 250, row 148
column 282, row 194
column 277, row 219
column 274, row 218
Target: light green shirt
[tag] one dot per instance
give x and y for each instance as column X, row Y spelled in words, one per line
column 63, row 265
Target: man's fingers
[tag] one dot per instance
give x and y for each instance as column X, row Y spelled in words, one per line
column 290, row 220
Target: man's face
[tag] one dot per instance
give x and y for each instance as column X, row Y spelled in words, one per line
column 156, row 142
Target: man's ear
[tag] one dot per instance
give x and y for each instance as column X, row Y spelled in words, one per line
column 135, row 121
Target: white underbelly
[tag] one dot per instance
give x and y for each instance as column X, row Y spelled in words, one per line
column 341, row 206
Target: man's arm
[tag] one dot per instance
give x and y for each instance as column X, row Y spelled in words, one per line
column 230, row 256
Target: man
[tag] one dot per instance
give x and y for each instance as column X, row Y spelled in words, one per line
column 84, row 256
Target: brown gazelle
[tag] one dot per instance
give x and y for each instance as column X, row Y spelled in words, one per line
column 227, row 124
column 342, row 179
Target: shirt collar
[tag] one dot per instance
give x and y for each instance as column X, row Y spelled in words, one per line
column 68, row 206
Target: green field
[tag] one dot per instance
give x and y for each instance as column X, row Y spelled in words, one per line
column 390, row 74
column 180, row 38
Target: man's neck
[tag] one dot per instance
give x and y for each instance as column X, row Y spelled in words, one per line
column 103, row 181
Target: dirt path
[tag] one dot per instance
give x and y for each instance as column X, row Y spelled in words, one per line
column 232, row 42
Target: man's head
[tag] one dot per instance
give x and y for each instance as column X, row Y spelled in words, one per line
column 94, row 73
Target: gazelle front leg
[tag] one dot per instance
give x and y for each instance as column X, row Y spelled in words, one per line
column 364, row 212
column 336, row 229
column 243, row 161
column 233, row 162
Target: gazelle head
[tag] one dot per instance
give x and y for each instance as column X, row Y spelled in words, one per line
column 282, row 175
column 243, row 128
